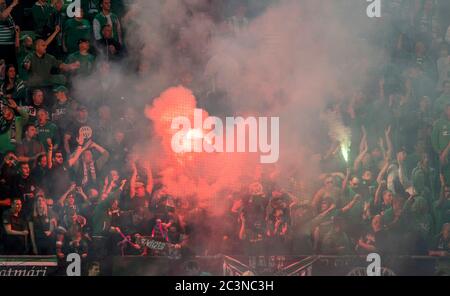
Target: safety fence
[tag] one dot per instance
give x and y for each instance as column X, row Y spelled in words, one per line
column 310, row 265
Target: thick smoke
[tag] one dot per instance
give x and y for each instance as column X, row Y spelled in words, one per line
column 288, row 59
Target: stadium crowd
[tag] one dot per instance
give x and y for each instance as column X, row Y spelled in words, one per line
column 70, row 182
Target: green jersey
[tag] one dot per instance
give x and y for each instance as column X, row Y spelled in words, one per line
column 86, row 63
column 48, row 131
column 440, row 136
column 12, row 135
column 39, row 74
column 75, row 30
column 100, row 218
column 41, row 14
column 440, row 104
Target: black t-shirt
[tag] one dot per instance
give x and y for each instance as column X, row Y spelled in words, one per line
column 138, row 202
column 87, row 211
column 79, row 248
column 115, row 216
column 103, row 46
column 134, row 222
column 25, row 190
column 255, row 207
column 18, row 223
column 42, row 224
column 118, row 152
column 61, row 115
column 76, row 129
column 32, row 110
column 7, row 177
column 41, row 176
column 60, row 181
column 377, row 239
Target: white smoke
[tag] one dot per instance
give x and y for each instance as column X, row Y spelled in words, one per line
column 285, row 62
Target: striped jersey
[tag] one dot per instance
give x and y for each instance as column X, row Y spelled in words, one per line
column 7, row 32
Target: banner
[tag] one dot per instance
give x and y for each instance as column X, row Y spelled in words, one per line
column 28, row 265
column 269, row 265
column 300, row 268
column 233, row 267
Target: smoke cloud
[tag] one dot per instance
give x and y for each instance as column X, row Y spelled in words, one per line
column 288, row 59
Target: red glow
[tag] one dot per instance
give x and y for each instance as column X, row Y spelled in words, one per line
column 199, row 175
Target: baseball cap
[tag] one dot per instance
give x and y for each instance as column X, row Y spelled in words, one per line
column 60, row 88
column 81, row 40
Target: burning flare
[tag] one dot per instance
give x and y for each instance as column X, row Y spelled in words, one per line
column 194, row 175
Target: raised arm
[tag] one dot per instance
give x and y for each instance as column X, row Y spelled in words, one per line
column 17, row 37
column 350, row 205
column 404, row 180
column 242, row 231
column 75, row 156
column 133, row 181
column 317, row 198
column 363, row 143
column 383, row 171
column 50, row 154
column 106, row 202
column 80, row 191
column 442, row 197
column 22, row 111
column 109, row 188
column 148, row 169
column 104, row 193
column 322, row 215
column 377, row 196
column 63, row 197
column 80, row 149
column 333, row 149
column 390, row 149
column 7, row 12
column 363, row 148
column 101, row 161
column 345, row 181
column 52, row 37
